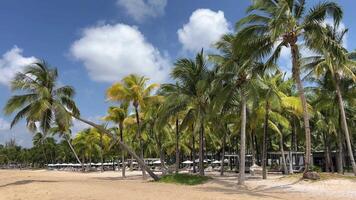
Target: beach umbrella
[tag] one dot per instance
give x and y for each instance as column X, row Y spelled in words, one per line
column 187, row 162
column 157, row 162
column 197, row 160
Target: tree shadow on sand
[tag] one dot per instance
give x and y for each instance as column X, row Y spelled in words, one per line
column 227, row 186
column 25, row 182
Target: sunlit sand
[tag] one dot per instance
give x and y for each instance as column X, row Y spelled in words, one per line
column 42, row 184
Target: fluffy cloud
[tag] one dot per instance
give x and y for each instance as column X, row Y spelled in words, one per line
column 140, row 10
column 110, row 52
column 205, row 27
column 12, row 62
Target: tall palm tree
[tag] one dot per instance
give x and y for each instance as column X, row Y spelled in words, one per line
column 193, row 83
column 133, row 88
column 337, row 61
column 118, row 116
column 272, row 25
column 236, row 69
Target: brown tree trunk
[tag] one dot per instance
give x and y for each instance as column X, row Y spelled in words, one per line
column 223, row 155
column 193, row 154
column 296, row 76
column 177, row 146
column 242, row 141
column 284, row 163
column 201, row 149
column 124, row 146
column 344, row 125
column 75, row 153
column 121, row 127
column 140, row 140
column 340, row 166
column 264, row 145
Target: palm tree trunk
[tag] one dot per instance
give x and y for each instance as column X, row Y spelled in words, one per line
column 124, row 146
column 101, row 152
column 242, row 141
column 140, row 139
column 177, row 146
column 193, row 153
column 340, row 166
column 296, row 76
column 201, row 149
column 344, row 125
column 285, row 169
column 223, row 155
column 122, row 151
column 75, row 153
column 264, row 145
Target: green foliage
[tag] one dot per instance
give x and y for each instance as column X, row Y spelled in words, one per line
column 184, row 179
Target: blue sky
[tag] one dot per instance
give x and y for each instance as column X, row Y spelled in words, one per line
column 95, row 43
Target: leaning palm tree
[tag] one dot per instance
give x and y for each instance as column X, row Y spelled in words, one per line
column 133, row 88
column 272, row 25
column 339, row 63
column 42, row 101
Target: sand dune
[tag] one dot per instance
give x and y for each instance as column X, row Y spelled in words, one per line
column 53, row 185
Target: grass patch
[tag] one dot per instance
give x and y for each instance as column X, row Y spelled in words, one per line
column 184, row 179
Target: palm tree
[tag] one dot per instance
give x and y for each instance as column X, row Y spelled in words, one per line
column 118, row 116
column 236, row 69
column 193, row 83
column 42, row 101
column 339, row 63
column 272, row 25
column 133, row 89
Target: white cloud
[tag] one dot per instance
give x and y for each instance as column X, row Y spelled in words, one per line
column 110, row 52
column 341, row 27
column 140, row 10
column 4, row 125
column 205, row 27
column 12, row 62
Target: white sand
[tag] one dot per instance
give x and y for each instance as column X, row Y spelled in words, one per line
column 53, row 185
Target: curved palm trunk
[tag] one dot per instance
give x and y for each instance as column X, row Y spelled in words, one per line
column 344, row 125
column 141, row 142
column 177, row 146
column 264, row 145
column 75, row 153
column 123, row 171
column 242, row 142
column 296, row 76
column 124, row 146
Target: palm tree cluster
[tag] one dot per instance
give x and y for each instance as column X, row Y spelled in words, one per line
column 237, row 100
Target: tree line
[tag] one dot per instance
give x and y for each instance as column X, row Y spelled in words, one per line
column 237, row 100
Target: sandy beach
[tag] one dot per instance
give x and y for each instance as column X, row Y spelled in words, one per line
column 46, row 185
